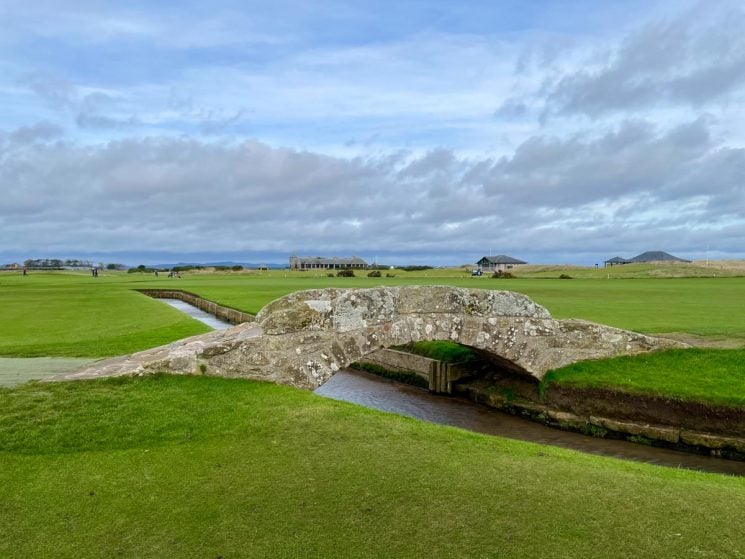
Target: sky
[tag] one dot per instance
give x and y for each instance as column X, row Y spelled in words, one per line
column 554, row 131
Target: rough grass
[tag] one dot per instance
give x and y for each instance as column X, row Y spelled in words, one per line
column 709, row 375
column 205, row 467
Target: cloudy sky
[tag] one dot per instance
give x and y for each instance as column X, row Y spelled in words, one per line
column 407, row 132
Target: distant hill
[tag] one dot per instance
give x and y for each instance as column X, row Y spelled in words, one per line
column 656, row 256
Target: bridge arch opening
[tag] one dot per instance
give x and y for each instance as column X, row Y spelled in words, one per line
column 448, row 367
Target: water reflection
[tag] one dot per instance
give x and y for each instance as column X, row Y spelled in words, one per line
column 383, row 394
column 209, row 319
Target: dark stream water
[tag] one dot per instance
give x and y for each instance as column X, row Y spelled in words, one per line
column 387, row 395
column 383, row 394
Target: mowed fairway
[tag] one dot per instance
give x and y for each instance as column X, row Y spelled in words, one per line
column 207, row 467
column 74, row 315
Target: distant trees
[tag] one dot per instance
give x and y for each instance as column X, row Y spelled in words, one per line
column 141, row 269
column 75, row 263
column 415, row 268
column 48, row 263
column 58, row 264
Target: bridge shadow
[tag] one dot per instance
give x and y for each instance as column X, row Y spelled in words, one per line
column 447, row 367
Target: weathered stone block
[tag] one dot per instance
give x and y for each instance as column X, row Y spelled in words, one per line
column 656, row 432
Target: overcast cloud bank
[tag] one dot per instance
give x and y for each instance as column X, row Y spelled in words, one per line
column 436, row 141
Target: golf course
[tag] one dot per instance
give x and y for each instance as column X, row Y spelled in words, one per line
column 200, row 466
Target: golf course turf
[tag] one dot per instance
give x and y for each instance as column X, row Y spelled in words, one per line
column 166, row 466
column 209, row 467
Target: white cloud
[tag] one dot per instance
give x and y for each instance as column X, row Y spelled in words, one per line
column 187, row 195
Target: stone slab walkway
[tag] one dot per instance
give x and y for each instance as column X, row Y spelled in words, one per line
column 17, row 370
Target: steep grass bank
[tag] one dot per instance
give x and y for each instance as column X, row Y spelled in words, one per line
column 206, row 467
column 714, row 376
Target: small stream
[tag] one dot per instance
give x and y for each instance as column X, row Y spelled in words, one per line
column 197, row 314
column 372, row 391
column 375, row 392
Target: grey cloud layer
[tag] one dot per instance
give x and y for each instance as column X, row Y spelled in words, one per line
column 693, row 60
column 597, row 190
column 134, row 135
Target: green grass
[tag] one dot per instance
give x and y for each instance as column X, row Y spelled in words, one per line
column 205, row 467
column 708, row 375
column 631, row 271
column 442, row 350
column 74, row 315
column 70, row 315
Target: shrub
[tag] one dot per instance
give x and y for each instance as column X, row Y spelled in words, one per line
column 502, row 274
column 345, row 274
column 415, row 268
column 374, row 274
column 565, row 276
column 237, row 268
column 390, row 275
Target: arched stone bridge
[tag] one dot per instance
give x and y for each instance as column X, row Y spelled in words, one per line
column 304, row 338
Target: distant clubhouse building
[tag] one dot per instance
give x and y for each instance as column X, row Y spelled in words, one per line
column 499, row 262
column 649, row 256
column 321, row 263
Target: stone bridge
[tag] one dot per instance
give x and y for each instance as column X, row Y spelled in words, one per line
column 304, row 338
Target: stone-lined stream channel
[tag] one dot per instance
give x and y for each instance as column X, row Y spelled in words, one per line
column 375, row 392
column 383, row 394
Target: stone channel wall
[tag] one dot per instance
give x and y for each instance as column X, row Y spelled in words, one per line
column 624, row 416
column 439, row 375
column 400, row 361
column 224, row 313
column 689, row 426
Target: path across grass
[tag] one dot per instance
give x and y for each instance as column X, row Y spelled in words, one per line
column 17, row 370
